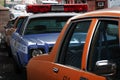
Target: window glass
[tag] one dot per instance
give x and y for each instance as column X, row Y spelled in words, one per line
column 20, row 30
column 74, row 43
column 20, row 21
column 105, row 45
column 45, row 25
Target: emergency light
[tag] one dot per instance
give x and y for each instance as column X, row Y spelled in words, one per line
column 42, row 8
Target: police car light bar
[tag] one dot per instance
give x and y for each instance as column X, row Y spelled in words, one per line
column 42, row 8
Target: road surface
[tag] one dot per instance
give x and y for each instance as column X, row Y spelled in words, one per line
column 6, row 68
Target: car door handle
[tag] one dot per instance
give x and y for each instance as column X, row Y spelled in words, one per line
column 55, row 70
column 83, row 78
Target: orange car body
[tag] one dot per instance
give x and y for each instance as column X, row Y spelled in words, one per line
column 9, row 31
column 52, row 67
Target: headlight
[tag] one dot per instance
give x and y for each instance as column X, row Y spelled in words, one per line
column 36, row 52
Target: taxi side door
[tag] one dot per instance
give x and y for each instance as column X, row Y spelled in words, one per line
column 89, row 51
column 69, row 62
column 104, row 50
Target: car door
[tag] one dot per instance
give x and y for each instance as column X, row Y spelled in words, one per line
column 69, row 63
column 16, row 36
column 104, row 48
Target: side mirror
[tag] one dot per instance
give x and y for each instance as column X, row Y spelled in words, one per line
column 105, row 68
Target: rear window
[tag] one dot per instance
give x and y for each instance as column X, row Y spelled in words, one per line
column 45, row 25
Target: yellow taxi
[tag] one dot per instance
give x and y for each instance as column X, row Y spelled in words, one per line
column 88, row 48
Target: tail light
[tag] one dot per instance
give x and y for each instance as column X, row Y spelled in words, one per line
column 42, row 8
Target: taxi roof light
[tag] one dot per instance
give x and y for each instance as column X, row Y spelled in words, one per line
column 42, row 8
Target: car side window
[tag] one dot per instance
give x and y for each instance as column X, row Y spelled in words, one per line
column 72, row 49
column 105, row 45
column 19, row 22
column 20, row 29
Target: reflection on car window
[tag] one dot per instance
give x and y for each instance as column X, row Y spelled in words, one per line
column 74, row 44
column 105, row 46
column 45, row 25
column 20, row 22
column 20, row 30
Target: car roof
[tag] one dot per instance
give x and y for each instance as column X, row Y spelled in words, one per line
column 108, row 12
column 53, row 14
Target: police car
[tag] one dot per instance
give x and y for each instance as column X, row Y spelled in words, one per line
column 38, row 33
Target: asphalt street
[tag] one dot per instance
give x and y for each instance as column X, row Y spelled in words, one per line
column 7, row 69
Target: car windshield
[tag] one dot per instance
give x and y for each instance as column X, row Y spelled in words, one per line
column 45, row 25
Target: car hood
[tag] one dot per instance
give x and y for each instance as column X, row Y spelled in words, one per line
column 39, row 39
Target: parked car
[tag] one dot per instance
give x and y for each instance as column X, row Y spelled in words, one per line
column 10, row 28
column 88, row 48
column 16, row 13
column 3, row 34
column 37, row 35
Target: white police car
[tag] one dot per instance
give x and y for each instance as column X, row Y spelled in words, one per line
column 38, row 33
